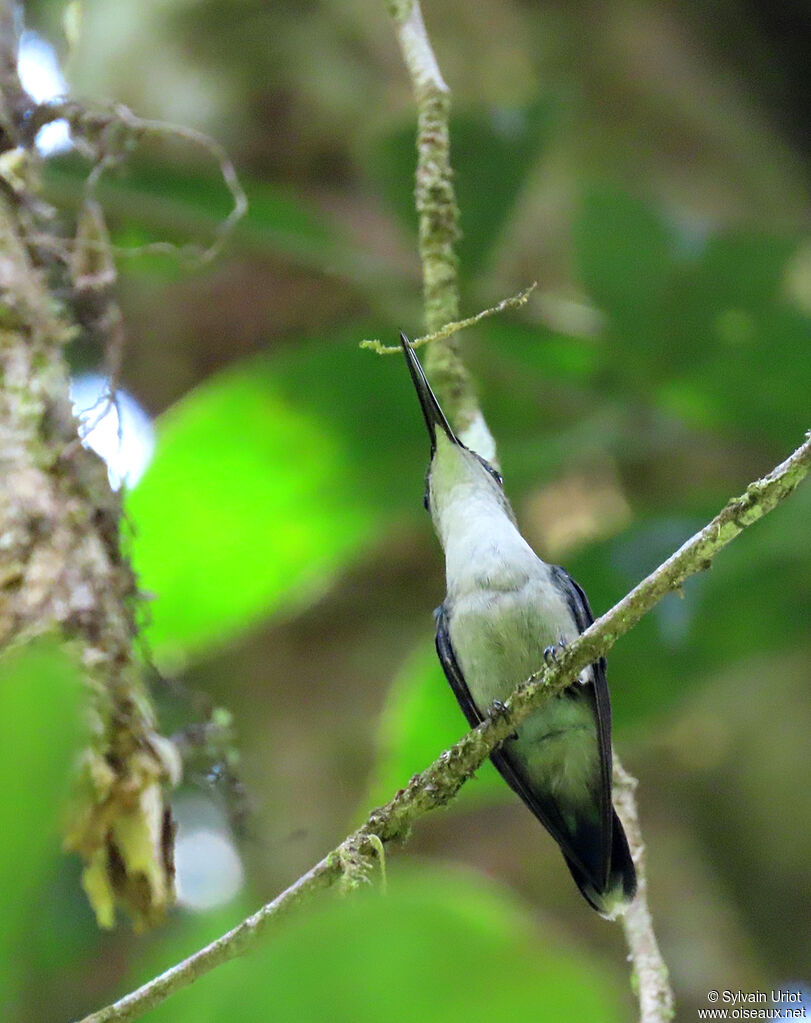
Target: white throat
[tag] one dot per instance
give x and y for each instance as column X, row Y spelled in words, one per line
column 483, row 547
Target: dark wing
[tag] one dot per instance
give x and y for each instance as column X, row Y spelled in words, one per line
column 453, row 672
column 545, row 810
column 597, row 854
column 581, row 610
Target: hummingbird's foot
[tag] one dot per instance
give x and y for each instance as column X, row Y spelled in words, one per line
column 550, row 654
column 501, row 710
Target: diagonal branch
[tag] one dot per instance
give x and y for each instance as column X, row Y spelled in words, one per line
column 437, row 785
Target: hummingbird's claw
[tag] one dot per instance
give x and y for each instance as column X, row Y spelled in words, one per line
column 501, row 710
column 550, row 654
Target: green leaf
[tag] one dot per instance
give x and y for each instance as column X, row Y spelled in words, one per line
column 39, row 737
column 536, row 355
column 247, row 508
column 267, row 480
column 366, row 402
column 742, row 270
column 493, row 156
column 442, row 945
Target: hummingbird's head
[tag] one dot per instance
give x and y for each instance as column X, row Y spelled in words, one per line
column 459, row 481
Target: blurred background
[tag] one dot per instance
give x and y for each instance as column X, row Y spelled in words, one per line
column 648, row 165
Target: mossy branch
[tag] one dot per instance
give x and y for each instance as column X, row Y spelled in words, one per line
column 513, row 302
column 61, row 565
column 438, row 214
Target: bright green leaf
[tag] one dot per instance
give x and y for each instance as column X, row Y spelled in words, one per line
column 39, row 738
column 246, row 508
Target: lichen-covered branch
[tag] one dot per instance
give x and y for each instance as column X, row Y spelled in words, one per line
column 513, row 302
column 61, row 568
column 650, row 971
column 440, row 782
column 438, row 215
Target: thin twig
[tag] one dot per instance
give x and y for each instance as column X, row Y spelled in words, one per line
column 215, row 149
column 440, row 782
column 106, row 137
column 513, row 302
column 650, row 971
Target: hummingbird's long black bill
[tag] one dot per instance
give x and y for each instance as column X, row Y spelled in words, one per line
column 434, row 416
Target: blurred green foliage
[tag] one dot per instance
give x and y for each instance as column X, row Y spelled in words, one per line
column 441, row 944
column 156, row 202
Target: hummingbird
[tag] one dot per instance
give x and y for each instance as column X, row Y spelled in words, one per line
column 505, row 613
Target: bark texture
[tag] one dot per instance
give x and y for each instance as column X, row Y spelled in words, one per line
column 61, row 566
